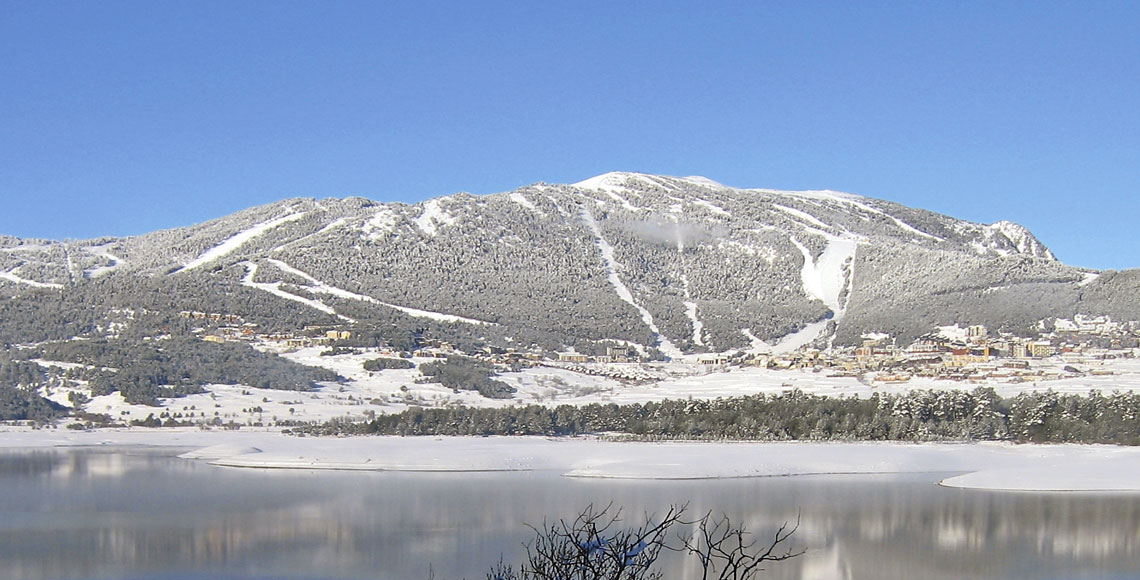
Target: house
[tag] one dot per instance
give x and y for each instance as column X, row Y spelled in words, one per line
column 572, row 357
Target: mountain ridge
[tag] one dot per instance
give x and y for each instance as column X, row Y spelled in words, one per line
column 676, row 264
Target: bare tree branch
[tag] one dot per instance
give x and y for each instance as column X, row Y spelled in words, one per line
column 595, row 545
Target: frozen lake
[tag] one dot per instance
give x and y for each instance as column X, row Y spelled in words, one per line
column 144, row 513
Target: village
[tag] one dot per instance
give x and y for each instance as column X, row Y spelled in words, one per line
column 974, row 354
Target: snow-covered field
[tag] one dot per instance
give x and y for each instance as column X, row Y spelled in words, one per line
column 259, row 444
column 392, row 391
column 984, row 465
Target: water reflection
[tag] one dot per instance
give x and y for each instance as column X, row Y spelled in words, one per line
column 84, row 514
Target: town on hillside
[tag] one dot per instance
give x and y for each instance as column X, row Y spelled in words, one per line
column 1076, row 347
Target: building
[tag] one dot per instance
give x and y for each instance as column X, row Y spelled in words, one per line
column 713, row 359
column 1040, row 349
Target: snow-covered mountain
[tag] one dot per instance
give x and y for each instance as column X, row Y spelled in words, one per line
column 677, row 264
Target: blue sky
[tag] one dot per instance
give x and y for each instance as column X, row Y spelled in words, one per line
column 120, row 118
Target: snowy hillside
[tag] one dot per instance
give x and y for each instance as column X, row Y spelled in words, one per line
column 665, row 264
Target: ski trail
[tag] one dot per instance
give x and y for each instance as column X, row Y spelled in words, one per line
column 275, row 289
column 691, row 313
column 824, row 279
column 102, row 270
column 802, row 215
column 232, row 243
column 331, row 226
column 665, row 345
column 322, row 288
column 14, row 278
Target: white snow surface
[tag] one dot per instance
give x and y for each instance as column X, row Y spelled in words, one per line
column 1021, row 238
column 380, row 224
column 702, row 180
column 985, row 466
column 607, row 251
column 757, row 345
column 698, row 326
column 824, row 280
column 691, row 312
column 116, row 262
column 853, row 200
column 953, row 332
column 523, row 201
column 1054, row 467
column 232, row 243
column 17, row 279
column 322, row 288
column 801, row 215
column 712, row 207
column 331, row 226
column 275, row 289
column 433, row 217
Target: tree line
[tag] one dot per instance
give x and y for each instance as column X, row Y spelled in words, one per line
column 978, row 415
column 146, row 371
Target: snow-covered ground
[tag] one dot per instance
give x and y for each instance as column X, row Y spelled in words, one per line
column 984, row 465
column 623, row 292
column 392, row 391
column 989, row 466
column 232, row 243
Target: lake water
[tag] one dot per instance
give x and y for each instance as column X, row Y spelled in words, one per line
column 137, row 513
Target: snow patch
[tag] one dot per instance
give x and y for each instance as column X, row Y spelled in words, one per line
column 601, row 182
column 1089, row 278
column 758, row 345
column 433, row 217
column 381, row 223
column 232, row 243
column 1021, row 239
column 523, row 201
column 702, row 180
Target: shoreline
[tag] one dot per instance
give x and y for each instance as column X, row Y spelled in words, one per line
column 982, row 466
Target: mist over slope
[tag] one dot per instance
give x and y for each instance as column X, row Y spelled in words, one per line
column 680, row 265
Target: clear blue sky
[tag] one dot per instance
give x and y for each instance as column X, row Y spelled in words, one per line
column 120, row 118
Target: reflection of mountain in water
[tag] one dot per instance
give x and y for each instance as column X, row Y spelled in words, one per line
column 827, row 563
column 165, row 514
